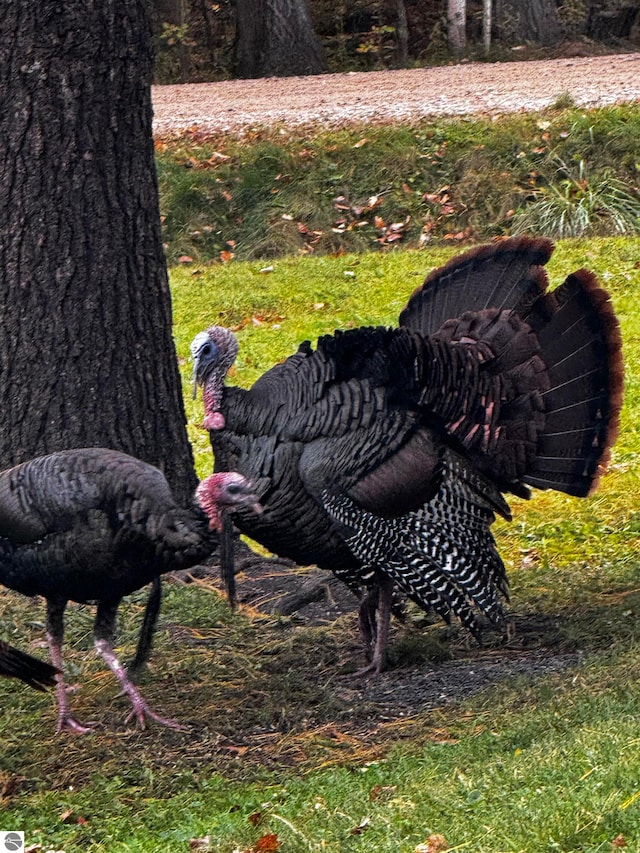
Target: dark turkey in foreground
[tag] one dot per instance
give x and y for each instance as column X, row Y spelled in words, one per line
column 93, row 525
column 16, row 664
column 383, row 453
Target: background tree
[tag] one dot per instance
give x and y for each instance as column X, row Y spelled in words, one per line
column 276, row 38
column 487, row 8
column 171, row 17
column 86, row 353
column 457, row 26
column 535, row 21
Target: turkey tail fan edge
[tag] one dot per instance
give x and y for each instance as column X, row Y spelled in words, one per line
column 582, row 347
column 496, row 275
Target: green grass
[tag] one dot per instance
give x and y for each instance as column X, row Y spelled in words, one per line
column 279, row 742
column 281, row 191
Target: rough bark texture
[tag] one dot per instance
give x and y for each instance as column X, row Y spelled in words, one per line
column 457, row 26
column 275, row 38
column 535, row 21
column 86, row 353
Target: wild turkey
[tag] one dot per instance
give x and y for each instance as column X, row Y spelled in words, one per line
column 383, row 453
column 93, row 525
column 16, row 664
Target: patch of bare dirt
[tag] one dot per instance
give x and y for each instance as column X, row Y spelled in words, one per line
column 385, row 96
column 430, row 665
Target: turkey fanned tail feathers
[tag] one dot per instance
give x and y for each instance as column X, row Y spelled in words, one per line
column 384, row 453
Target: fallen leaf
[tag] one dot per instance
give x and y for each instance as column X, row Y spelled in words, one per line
column 8, row 786
column 185, row 259
column 267, row 843
column 360, row 828
column 379, row 792
column 200, row 843
column 69, row 816
column 434, row 844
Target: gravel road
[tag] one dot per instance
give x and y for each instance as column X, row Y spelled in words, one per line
column 379, row 96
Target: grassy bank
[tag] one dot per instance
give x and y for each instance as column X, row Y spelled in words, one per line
column 283, row 751
column 565, row 173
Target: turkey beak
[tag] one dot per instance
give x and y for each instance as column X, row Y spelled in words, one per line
column 251, row 502
column 194, row 377
column 256, row 506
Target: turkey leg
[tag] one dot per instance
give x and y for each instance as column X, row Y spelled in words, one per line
column 55, row 636
column 104, row 635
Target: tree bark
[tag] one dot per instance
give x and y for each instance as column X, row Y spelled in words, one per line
column 533, row 21
column 402, row 34
column 486, row 25
column 86, row 352
column 275, row 38
column 457, row 26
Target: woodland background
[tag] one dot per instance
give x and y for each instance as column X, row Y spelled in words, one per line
column 208, row 40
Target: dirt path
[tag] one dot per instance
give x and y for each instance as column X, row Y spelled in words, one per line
column 378, row 96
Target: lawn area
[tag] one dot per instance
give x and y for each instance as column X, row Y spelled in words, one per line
column 284, row 751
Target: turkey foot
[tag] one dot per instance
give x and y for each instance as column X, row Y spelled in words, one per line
column 66, row 721
column 141, row 711
column 374, row 619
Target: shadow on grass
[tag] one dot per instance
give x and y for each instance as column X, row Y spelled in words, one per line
column 261, row 692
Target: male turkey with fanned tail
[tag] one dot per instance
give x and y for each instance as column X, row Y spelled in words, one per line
column 93, row 525
column 384, row 454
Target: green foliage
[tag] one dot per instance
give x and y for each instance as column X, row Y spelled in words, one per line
column 279, row 192
column 572, row 204
column 283, row 746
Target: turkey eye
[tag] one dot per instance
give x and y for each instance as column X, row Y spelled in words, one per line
column 234, row 488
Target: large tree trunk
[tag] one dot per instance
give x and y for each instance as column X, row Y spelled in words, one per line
column 86, row 353
column 275, row 38
column 534, row 21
